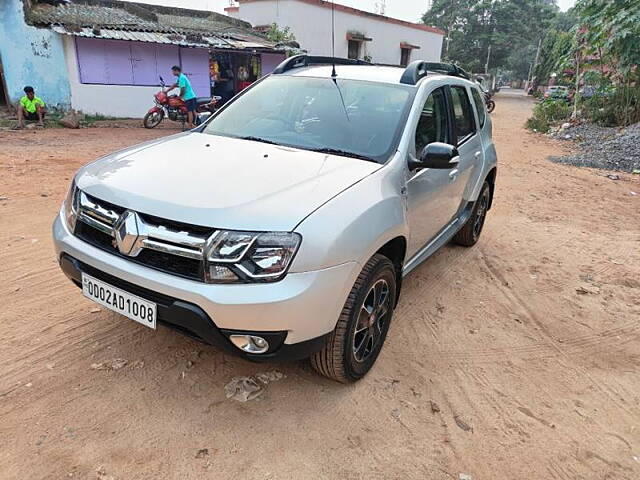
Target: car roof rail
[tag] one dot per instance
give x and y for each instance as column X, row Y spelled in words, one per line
column 418, row 69
column 303, row 60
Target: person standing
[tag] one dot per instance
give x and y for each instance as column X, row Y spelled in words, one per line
column 31, row 108
column 186, row 93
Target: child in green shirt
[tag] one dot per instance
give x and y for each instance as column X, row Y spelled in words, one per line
column 30, row 108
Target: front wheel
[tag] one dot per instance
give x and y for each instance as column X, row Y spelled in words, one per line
column 153, row 119
column 491, row 106
column 355, row 344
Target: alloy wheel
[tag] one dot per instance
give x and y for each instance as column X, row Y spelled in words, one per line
column 481, row 213
column 373, row 314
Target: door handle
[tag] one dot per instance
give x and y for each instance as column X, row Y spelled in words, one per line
column 453, row 174
column 477, row 154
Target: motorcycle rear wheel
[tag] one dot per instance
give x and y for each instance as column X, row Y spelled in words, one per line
column 152, row 119
column 491, row 106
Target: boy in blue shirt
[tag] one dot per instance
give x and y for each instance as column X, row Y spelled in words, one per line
column 186, row 93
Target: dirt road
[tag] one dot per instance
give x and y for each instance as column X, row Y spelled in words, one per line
column 518, row 358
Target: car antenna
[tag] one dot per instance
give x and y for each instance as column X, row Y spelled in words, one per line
column 333, row 39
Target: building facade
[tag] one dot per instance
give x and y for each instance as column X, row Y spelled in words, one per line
column 107, row 56
column 30, row 56
column 358, row 34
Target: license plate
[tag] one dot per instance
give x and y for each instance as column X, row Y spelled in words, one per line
column 132, row 306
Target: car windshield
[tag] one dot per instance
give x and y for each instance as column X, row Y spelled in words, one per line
column 344, row 117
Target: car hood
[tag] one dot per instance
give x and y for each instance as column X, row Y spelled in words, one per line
column 221, row 182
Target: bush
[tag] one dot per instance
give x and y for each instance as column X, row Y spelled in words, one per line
column 547, row 113
column 619, row 107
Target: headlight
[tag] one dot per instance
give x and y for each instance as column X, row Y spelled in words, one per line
column 245, row 257
column 70, row 207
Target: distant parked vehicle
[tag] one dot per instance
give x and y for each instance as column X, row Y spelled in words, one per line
column 557, row 92
column 491, row 104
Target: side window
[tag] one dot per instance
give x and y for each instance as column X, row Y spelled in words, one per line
column 462, row 113
column 482, row 114
column 432, row 126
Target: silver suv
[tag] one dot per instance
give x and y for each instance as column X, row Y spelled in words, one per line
column 282, row 228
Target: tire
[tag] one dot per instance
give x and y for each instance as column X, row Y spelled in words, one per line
column 152, row 119
column 357, row 340
column 469, row 234
column 491, row 106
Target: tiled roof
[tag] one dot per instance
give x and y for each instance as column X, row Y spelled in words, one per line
column 142, row 22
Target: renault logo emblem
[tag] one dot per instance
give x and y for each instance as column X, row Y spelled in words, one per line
column 127, row 232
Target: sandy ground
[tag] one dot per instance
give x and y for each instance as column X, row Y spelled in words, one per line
column 518, row 358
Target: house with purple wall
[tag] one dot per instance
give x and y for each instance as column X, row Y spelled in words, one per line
column 113, row 53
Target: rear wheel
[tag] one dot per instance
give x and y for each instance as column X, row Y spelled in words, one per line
column 491, row 106
column 355, row 344
column 470, row 233
column 152, row 119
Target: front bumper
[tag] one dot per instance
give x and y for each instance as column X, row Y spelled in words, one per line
column 296, row 313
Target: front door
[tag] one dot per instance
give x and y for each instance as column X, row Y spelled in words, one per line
column 429, row 197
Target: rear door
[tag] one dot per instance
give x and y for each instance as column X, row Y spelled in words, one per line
column 469, row 143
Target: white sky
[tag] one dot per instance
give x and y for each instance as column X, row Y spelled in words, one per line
column 410, row 10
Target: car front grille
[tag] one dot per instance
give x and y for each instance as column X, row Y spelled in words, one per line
column 166, row 245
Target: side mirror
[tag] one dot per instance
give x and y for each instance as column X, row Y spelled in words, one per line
column 436, row 155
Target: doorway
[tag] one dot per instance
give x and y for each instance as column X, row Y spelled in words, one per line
column 4, row 93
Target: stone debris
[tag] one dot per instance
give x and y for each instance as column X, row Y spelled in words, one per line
column 587, row 290
column 462, row 424
column 70, row 120
column 607, row 148
column 244, row 389
column 115, row 364
column 203, row 452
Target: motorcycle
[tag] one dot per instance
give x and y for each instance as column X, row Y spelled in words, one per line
column 174, row 108
column 491, row 105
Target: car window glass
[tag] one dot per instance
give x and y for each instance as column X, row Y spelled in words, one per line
column 462, row 113
column 358, row 117
column 482, row 114
column 432, row 126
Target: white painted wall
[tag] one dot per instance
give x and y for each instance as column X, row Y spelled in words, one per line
column 311, row 25
column 112, row 100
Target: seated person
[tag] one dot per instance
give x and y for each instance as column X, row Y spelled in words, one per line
column 30, row 108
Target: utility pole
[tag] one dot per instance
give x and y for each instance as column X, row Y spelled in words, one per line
column 486, row 65
column 535, row 62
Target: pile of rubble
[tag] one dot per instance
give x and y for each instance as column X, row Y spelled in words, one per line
column 602, row 147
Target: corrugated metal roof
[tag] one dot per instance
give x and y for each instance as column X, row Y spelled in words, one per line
column 113, row 19
column 154, row 37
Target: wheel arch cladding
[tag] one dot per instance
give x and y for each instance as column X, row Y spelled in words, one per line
column 396, row 250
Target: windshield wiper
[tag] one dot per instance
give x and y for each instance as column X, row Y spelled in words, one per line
column 344, row 153
column 258, row 139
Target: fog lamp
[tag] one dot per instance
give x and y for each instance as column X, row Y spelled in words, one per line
column 250, row 343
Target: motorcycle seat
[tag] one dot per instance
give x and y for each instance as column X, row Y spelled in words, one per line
column 203, row 100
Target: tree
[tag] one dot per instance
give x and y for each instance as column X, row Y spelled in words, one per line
column 280, row 35
column 511, row 27
column 611, row 31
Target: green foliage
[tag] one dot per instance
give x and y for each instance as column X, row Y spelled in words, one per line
column 279, row 35
column 548, row 113
column 511, row 27
column 556, row 49
column 613, row 107
column 611, row 32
